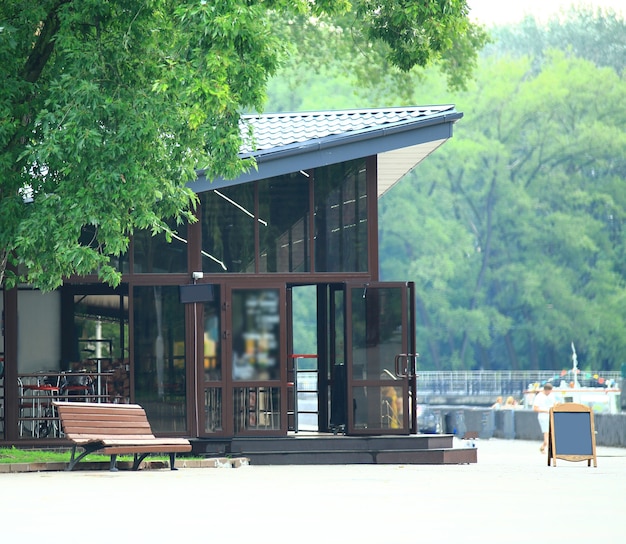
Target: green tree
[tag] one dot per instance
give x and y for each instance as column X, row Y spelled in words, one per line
column 109, row 107
column 598, row 35
column 514, row 230
column 375, row 54
column 533, row 178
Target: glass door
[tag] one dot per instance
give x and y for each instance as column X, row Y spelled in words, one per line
column 257, row 374
column 380, row 352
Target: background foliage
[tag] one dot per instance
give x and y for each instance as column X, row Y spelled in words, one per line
column 514, row 230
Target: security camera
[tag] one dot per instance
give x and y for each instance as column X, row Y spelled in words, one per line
column 197, row 275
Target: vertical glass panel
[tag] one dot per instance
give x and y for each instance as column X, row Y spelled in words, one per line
column 341, row 218
column 159, row 363
column 100, row 345
column 256, row 408
column 303, row 371
column 284, row 224
column 304, row 318
column 212, row 409
column 228, row 229
column 39, row 354
column 212, row 339
column 378, row 407
column 339, row 354
column 155, row 255
column 39, row 331
column 377, row 325
column 338, row 392
column 256, row 334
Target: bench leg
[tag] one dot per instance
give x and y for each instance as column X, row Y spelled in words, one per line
column 138, row 460
column 88, row 448
column 113, row 464
column 72, row 462
column 173, row 461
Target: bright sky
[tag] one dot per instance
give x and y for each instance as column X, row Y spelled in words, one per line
column 490, row 12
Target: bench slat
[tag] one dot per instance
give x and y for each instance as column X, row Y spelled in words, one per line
column 129, row 440
column 128, row 450
column 99, row 437
column 77, row 416
column 141, row 428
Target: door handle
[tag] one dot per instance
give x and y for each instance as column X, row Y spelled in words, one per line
column 401, row 371
column 409, row 368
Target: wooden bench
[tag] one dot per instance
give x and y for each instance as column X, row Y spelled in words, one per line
column 114, row 429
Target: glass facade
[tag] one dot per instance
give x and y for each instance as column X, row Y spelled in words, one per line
column 378, row 407
column 284, row 233
column 155, row 255
column 159, row 356
column 255, row 334
column 139, row 334
column 256, row 408
column 212, row 365
column 228, row 232
column 378, row 323
column 212, row 339
column 213, row 403
column 376, row 331
column 100, row 344
column 265, row 227
column 341, row 243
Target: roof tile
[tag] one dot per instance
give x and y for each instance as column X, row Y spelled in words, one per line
column 276, row 130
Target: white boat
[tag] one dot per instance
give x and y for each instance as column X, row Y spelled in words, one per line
column 604, row 398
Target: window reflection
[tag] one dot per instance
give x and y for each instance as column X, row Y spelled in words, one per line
column 284, row 236
column 213, row 409
column 159, row 346
column 228, row 229
column 212, row 343
column 377, row 324
column 155, row 255
column 256, row 334
column 256, row 408
column 376, row 407
column 341, row 218
column 279, row 221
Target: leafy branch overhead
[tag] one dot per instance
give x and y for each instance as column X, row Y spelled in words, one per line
column 108, row 108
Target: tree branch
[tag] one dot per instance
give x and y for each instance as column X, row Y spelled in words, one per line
column 44, row 45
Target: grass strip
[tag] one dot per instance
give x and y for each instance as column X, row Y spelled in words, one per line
column 23, row 455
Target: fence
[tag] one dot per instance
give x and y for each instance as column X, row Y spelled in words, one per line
column 502, row 382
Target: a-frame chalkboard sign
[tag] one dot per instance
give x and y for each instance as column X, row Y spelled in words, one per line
column 572, row 435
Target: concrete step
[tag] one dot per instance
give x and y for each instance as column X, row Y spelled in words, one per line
column 324, row 449
column 444, row 456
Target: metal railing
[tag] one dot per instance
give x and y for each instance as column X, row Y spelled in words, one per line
column 37, row 417
column 503, row 382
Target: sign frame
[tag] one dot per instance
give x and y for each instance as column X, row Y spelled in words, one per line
column 572, row 435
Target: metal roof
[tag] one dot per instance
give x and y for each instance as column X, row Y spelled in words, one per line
column 288, row 142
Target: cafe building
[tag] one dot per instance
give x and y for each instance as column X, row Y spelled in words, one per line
column 265, row 318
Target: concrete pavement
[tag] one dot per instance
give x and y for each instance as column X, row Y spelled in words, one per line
column 510, row 495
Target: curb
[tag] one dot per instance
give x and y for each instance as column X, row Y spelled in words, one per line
column 181, row 463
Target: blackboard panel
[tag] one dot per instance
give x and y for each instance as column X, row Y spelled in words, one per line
column 198, row 292
column 572, row 433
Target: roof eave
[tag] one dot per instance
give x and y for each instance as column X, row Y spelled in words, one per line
column 337, row 148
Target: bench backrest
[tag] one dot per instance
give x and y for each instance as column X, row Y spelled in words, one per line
column 89, row 420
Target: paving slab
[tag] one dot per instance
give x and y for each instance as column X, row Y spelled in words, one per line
column 510, row 495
